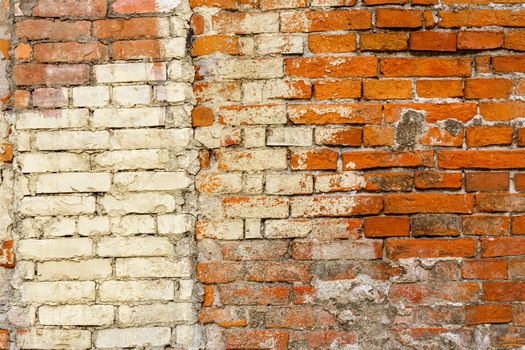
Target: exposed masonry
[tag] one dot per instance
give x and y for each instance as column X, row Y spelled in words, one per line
column 262, row 174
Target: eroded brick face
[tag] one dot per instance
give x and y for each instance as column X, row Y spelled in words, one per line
column 262, row 174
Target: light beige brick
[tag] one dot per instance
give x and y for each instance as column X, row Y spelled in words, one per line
column 129, row 117
column 139, row 203
column 132, row 95
column 132, row 160
column 57, row 292
column 289, row 183
column 54, row 339
column 58, row 248
column 52, row 119
column 287, row 228
column 90, row 96
column 82, row 270
column 112, row 291
column 175, row 223
column 52, row 162
column 73, row 182
column 93, row 226
column 57, row 205
column 130, row 72
column 155, row 314
column 151, row 138
column 153, row 181
column 153, row 267
column 132, row 224
column 224, row 229
column 132, row 337
column 76, row 315
column 289, row 136
column 139, row 246
column 71, row 140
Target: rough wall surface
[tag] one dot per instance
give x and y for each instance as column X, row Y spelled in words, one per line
column 262, row 174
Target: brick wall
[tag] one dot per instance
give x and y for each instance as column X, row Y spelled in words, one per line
column 262, row 174
column 362, row 184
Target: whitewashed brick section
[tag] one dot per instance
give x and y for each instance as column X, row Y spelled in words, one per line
column 175, row 92
column 52, row 162
column 225, row 229
column 130, row 160
column 57, row 205
column 76, row 315
column 54, row 339
column 132, row 95
column 57, row 292
column 69, row 140
column 73, row 182
column 52, row 119
column 175, row 224
column 130, row 316
column 59, row 248
column 93, row 226
column 153, row 267
column 290, row 136
column 174, row 47
column 151, row 138
column 139, row 203
column 132, row 337
column 132, row 224
column 289, row 183
column 128, row 117
column 153, row 181
column 270, row 114
column 82, row 270
column 119, row 291
column 130, row 72
column 90, row 96
column 139, row 246
column 262, row 68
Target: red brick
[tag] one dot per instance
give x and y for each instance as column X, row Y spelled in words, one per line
column 220, row 272
column 323, row 159
column 49, row 98
column 342, row 137
column 376, row 135
column 488, row 88
column 331, row 67
column 469, row 40
column 70, row 8
column 389, row 41
column 425, row 67
column 387, row 89
column 133, row 28
column 253, row 294
column 43, row 29
column 435, row 179
column 70, row 52
column 429, row 203
column 439, row 88
column 485, row 225
column 430, row 248
column 487, row 181
column 426, row 293
column 502, row 111
column 482, row 159
column 397, row 18
column 515, row 40
column 256, row 339
column 135, row 6
column 462, row 112
column 224, row 317
column 40, row 74
column 386, row 226
column 504, row 291
column 480, row 314
column 336, row 43
column 433, row 41
column 517, row 269
column 484, row 269
column 502, row 246
column 318, row 21
column 136, row 49
column 509, row 64
column 383, row 159
column 389, row 181
column 337, row 89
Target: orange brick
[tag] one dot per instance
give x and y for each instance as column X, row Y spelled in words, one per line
column 328, row 67
column 23, row 52
column 202, row 116
column 225, row 4
column 487, row 181
column 439, row 88
column 508, row 64
column 387, row 89
column 376, row 135
column 504, row 291
column 515, row 41
column 435, row 179
column 386, row 226
column 481, row 18
column 502, row 246
column 215, row 44
column 22, row 99
column 224, row 317
column 383, row 41
column 488, row 88
column 135, row 6
column 425, row 67
column 482, row 64
column 479, row 136
column 337, row 89
column 502, row 111
column 434, row 112
column 518, row 225
column 430, row 248
column 480, row 314
column 479, row 40
column 484, row 269
column 6, row 152
column 70, row 52
column 396, row 18
column 323, row 159
column 433, row 41
column 429, row 203
column 336, row 43
column 136, row 49
column 318, row 21
column 441, row 137
column 485, row 225
column 383, row 159
column 482, row 159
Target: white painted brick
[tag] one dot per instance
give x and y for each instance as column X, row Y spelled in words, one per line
column 129, row 117
column 252, row 115
column 265, row 22
column 254, row 137
column 76, row 315
column 58, row 248
column 225, row 229
column 175, row 223
column 217, row 136
column 118, row 291
column 66, row 140
column 139, row 203
column 139, row 246
column 155, row 314
column 93, row 226
column 57, row 205
column 180, row 70
column 219, row 183
column 289, row 136
column 54, row 339
column 289, row 183
column 252, row 91
column 347, row 180
column 286, row 44
column 153, row 267
column 52, row 162
column 132, row 224
column 82, row 270
column 52, row 119
column 90, row 96
column 253, row 183
column 130, row 72
column 132, row 95
column 252, row 229
column 153, row 181
column 132, row 337
column 287, row 228
column 48, row 226
column 186, row 335
column 73, row 182
column 232, row 68
column 174, row 92
column 137, row 159
column 151, row 138
column 57, row 292
column 185, row 289
column 253, row 160
column 174, row 47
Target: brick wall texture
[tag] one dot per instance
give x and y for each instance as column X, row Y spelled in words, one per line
column 262, row 174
